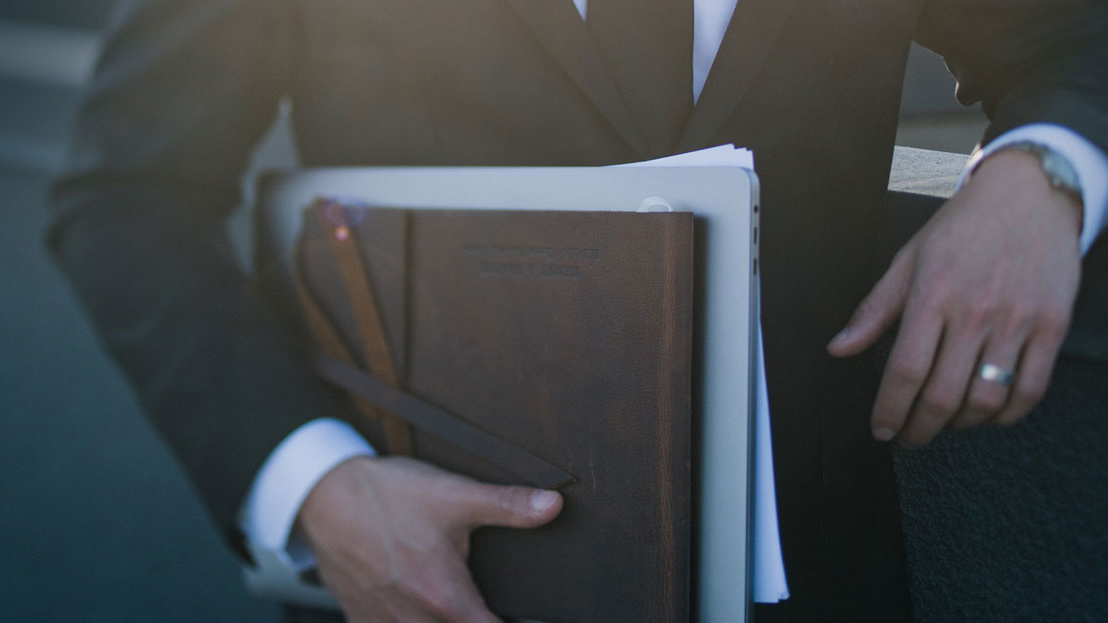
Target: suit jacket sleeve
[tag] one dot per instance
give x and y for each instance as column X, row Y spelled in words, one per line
column 1031, row 61
column 1027, row 61
column 182, row 92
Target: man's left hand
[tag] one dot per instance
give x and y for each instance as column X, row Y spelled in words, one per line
column 991, row 279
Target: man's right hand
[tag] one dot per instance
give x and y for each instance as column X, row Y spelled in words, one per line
column 391, row 536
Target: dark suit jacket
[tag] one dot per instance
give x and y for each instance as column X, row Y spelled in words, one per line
column 812, row 86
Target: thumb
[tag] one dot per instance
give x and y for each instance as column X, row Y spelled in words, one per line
column 512, row 507
column 878, row 311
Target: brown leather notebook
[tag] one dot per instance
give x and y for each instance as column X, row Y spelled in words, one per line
column 542, row 348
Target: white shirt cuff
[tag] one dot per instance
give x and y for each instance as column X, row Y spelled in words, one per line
column 1090, row 162
column 285, row 479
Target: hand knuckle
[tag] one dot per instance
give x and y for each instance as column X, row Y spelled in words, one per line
column 979, row 311
column 1021, row 315
column 935, row 300
column 511, row 499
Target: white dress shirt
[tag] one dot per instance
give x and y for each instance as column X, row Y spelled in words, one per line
column 306, row 455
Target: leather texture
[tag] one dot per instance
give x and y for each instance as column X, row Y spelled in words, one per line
column 532, row 346
column 375, row 347
column 523, row 467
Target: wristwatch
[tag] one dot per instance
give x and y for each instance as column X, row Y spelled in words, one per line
column 1058, row 169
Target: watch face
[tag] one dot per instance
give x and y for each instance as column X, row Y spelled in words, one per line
column 1060, row 171
column 1057, row 167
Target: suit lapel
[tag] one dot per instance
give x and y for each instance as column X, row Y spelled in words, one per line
column 754, row 28
column 561, row 31
column 648, row 46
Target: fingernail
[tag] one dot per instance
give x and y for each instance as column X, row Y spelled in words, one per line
column 839, row 338
column 542, row 500
column 883, row 434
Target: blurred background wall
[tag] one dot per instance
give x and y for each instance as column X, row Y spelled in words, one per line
column 96, row 523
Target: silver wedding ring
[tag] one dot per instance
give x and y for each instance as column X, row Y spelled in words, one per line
column 996, row 374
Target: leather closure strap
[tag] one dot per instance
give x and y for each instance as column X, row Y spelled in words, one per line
column 377, row 392
column 378, row 356
column 531, row 469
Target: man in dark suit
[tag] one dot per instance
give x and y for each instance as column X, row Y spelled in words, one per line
column 185, row 88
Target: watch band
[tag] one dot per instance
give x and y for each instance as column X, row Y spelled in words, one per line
column 1058, row 169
